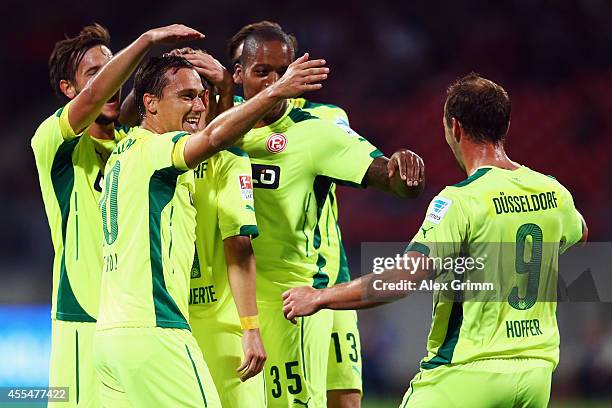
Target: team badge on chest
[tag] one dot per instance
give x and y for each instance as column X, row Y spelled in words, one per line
column 276, row 143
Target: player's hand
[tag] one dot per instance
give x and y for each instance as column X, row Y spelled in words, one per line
column 410, row 165
column 254, row 354
column 173, row 34
column 300, row 301
column 210, row 68
column 301, row 76
column 180, row 52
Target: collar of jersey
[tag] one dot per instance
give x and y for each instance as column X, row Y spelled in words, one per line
column 496, row 168
column 277, row 124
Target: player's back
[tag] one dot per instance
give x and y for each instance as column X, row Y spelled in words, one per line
column 512, row 224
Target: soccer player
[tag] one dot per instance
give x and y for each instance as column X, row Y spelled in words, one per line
column 70, row 164
column 344, row 382
column 225, row 223
column 222, row 301
column 295, row 157
column 143, row 346
column 497, row 353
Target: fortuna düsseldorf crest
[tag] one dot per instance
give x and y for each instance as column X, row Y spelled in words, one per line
column 276, row 143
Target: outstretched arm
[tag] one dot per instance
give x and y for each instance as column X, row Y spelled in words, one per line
column 403, row 175
column 89, row 102
column 241, row 274
column 361, row 293
column 301, row 76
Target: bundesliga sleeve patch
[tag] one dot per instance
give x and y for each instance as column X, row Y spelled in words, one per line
column 438, row 209
column 246, row 187
column 345, row 126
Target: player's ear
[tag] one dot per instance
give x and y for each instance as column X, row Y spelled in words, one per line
column 67, row 88
column 150, row 103
column 457, row 129
column 237, row 74
column 206, row 99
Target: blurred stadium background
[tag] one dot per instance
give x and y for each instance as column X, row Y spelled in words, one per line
column 390, row 65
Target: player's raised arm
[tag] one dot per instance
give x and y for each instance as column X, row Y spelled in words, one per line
column 365, row 292
column 302, row 75
column 402, row 175
column 87, row 104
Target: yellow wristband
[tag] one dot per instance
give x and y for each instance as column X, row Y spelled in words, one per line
column 249, row 322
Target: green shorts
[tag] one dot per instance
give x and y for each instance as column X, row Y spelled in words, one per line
column 152, row 367
column 296, row 368
column 509, row 383
column 72, row 365
column 220, row 339
column 344, row 365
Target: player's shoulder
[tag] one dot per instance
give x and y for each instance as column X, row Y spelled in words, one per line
column 50, row 124
column 158, row 138
column 309, row 105
column 470, row 186
column 302, row 119
column 548, row 182
column 232, row 156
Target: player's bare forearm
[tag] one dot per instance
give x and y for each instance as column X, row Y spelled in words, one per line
column 347, row 296
column 128, row 115
column 402, row 176
column 241, row 273
column 89, row 102
column 368, row 291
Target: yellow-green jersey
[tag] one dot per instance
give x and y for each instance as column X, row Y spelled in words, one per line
column 223, row 199
column 294, row 162
column 70, row 173
column 332, row 248
column 148, row 224
column 331, row 237
column 512, row 224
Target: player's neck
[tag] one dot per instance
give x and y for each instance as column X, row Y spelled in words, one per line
column 152, row 126
column 273, row 116
column 481, row 155
column 105, row 132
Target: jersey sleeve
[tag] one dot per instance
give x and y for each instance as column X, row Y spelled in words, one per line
column 340, row 117
column 235, row 195
column 444, row 230
column 571, row 222
column 340, row 153
column 166, row 150
column 64, row 124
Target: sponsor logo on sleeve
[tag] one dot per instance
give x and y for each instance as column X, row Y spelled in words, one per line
column 438, row 209
column 246, row 186
column 276, row 143
column 343, row 124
